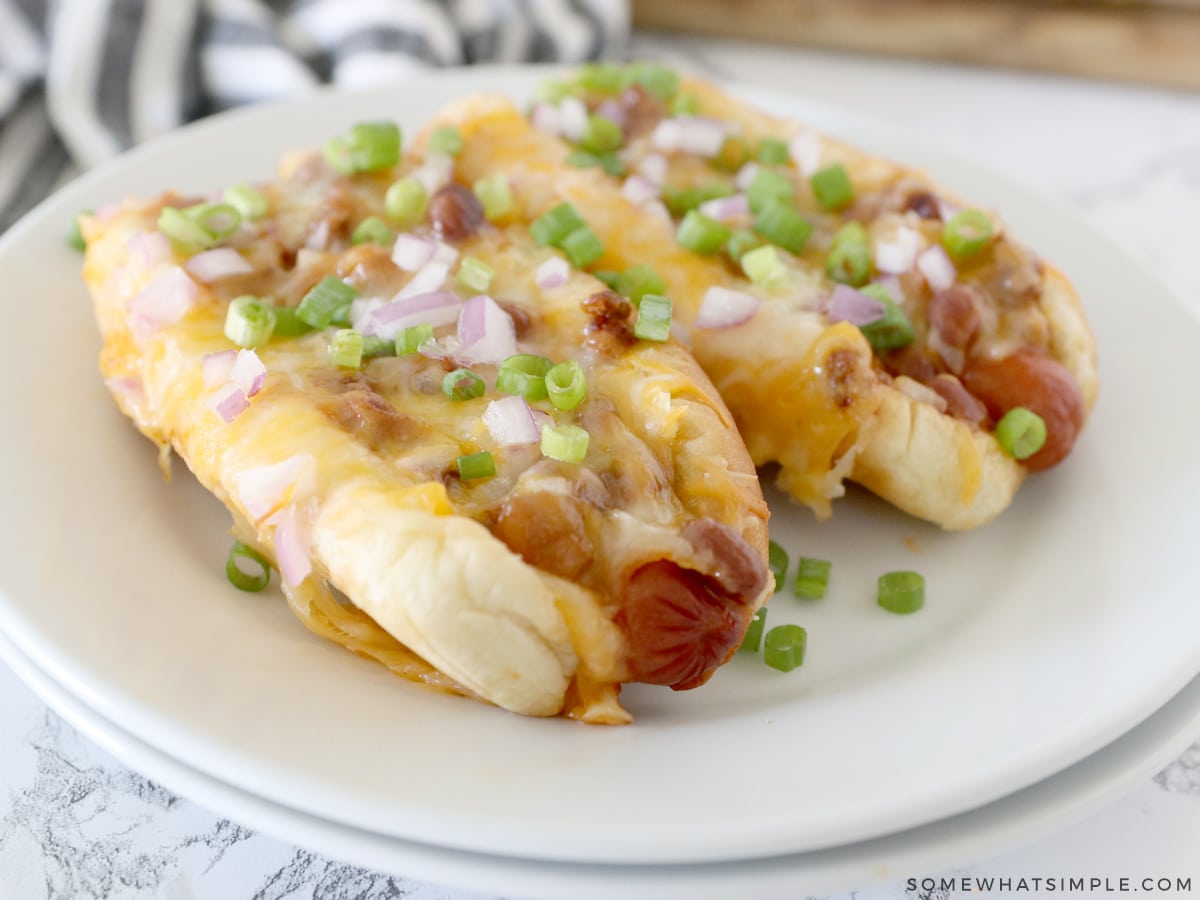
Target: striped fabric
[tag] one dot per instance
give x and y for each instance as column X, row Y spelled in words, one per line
column 80, row 80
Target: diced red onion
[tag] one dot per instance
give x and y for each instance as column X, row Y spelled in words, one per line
column 127, row 386
column 446, row 347
column 855, row 307
column 553, row 273
column 947, row 210
column 291, row 546
column 510, row 421
column 899, row 254
column 149, row 248
column 573, row 116
column 217, row 367
column 435, row 173
column 445, row 253
column 164, row 301
column 658, row 208
column 221, row 262
column 936, row 266
column 723, row 308
column 436, row 308
column 411, row 252
column 689, row 134
column 486, row 331
column 638, row 189
column 248, row 372
column 805, row 150
column 613, row 111
column 653, row 166
column 546, row 118
column 725, row 209
column 430, row 277
column 264, row 488
column 361, row 309
column 891, row 284
column 745, row 175
column 229, row 402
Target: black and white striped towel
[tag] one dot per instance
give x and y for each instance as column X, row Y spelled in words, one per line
column 80, row 80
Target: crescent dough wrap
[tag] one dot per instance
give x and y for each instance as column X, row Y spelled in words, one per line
column 439, row 570
column 805, row 395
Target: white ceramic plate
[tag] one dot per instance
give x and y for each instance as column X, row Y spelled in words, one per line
column 1046, row 635
column 1014, row 820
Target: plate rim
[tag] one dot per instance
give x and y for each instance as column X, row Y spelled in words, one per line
column 1101, row 735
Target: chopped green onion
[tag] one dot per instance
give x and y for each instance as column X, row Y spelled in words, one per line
column 639, row 280
column 199, row 227
column 366, row 147
column 249, row 322
column 658, row 80
column 832, row 186
column 763, row 265
column 602, row 134
column 608, row 276
column 967, row 232
column 328, row 301
column 463, row 384
column 346, row 348
column 684, row 104
column 891, row 332
column 566, row 385
column 700, row 234
column 374, row 345
column 654, row 318
column 446, row 140
column 250, row 203
column 75, row 237
column 1021, row 432
column 566, row 443
column 741, row 242
column 476, row 465
column 849, row 262
column 754, row 631
column 551, row 227
column 475, row 275
column 252, row 582
column 602, row 78
column 780, row 224
column 288, row 324
column 680, row 201
column 219, row 220
column 582, row 246
column 495, row 195
column 769, row 186
column 784, row 646
column 410, row 339
column 609, row 161
column 372, row 230
column 733, row 154
column 185, row 234
column 777, row 562
column 405, row 201
column 851, row 232
column 812, row 578
column 901, row 592
column 773, row 152
column 525, row 376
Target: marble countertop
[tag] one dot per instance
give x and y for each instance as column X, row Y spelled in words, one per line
column 75, row 822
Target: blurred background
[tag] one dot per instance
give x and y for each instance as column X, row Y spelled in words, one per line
column 80, row 80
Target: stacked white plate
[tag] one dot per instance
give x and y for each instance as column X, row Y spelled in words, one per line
column 1054, row 662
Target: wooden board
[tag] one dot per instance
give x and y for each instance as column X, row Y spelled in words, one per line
column 1157, row 42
